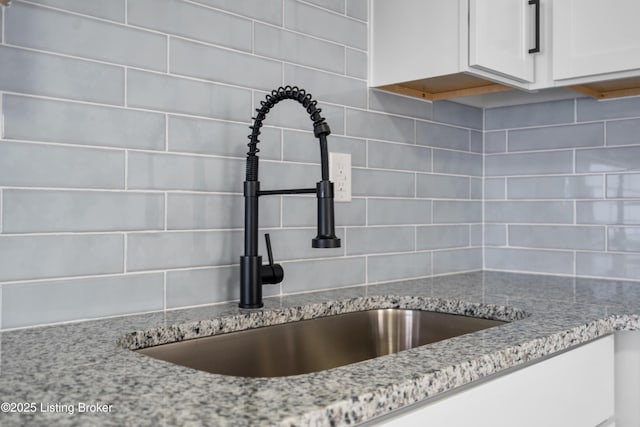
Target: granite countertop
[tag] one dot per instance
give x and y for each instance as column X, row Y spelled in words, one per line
column 59, row 371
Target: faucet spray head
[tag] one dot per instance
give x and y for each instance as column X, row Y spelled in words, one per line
column 326, row 237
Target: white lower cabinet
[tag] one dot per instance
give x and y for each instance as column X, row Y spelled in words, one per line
column 572, row 389
column 628, row 379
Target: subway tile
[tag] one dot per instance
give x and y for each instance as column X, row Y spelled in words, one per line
column 295, row 244
column 262, row 10
column 192, row 21
column 174, row 94
column 202, row 61
column 43, row 74
column 356, row 64
column 556, row 187
column 398, row 211
column 442, row 186
column 166, row 250
column 557, row 237
column 456, row 211
column 328, row 87
column 589, row 109
column 358, row 9
column 554, row 137
column 543, row 113
column 179, row 172
column 387, row 102
column 46, row 29
column 457, row 260
column 301, row 146
column 202, row 286
column 41, row 257
column 475, row 188
column 366, row 182
column 627, row 185
column 398, row 156
column 529, row 260
column 302, row 212
column 529, row 163
column 278, row 175
column 495, row 234
column 495, row 142
column 622, row 266
column 476, row 144
column 379, row 126
column 623, row 239
column 302, row 276
column 435, row 135
column 457, row 114
column 456, row 162
column 36, row 165
column 475, row 234
column 608, row 159
column 382, row 268
column 205, row 136
column 292, row 47
column 326, row 25
column 494, row 189
column 336, row 5
column 112, row 10
column 367, row 240
column 560, row 212
column 608, row 212
column 216, row 211
column 72, row 123
column 442, row 236
column 28, row 304
column 623, row 132
column 290, row 114
column 32, row 211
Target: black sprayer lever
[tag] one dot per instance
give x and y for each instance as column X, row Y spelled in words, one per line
column 271, row 273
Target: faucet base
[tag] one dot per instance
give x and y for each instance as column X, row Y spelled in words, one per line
column 250, row 282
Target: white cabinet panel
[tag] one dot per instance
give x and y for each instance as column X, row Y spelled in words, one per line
column 592, row 37
column 499, row 38
column 575, row 388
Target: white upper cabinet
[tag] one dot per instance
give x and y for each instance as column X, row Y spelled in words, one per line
column 439, row 49
column 444, row 48
column 592, row 38
column 499, row 39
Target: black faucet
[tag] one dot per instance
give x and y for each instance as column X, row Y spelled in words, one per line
column 252, row 273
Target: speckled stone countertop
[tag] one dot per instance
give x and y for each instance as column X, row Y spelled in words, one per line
column 60, row 368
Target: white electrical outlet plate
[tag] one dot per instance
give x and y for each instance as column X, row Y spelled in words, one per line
column 340, row 175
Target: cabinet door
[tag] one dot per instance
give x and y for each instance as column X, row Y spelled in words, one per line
column 499, row 37
column 592, row 37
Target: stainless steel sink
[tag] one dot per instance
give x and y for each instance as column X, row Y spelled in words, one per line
column 318, row 344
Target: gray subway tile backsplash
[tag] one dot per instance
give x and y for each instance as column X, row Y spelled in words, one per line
column 196, row 22
column 40, row 165
column 122, row 157
column 203, row 61
column 177, row 95
column 36, row 73
column 47, row 29
column 35, row 119
column 50, row 256
column 326, row 25
column 555, row 137
column 544, row 113
column 113, row 10
column 46, row 211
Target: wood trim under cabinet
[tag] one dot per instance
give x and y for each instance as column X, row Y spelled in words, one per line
column 610, row 88
column 445, row 87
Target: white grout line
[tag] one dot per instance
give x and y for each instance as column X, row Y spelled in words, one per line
column 125, row 239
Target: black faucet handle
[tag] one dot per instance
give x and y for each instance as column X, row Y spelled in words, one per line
column 267, row 240
column 271, row 274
